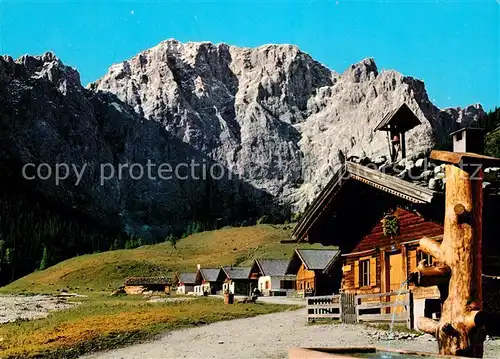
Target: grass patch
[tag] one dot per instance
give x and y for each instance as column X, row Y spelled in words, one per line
column 106, row 271
column 102, row 322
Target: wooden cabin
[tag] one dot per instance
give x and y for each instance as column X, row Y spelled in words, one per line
column 272, row 277
column 208, row 280
column 238, row 280
column 350, row 211
column 139, row 285
column 315, row 271
column 184, row 282
column 381, row 262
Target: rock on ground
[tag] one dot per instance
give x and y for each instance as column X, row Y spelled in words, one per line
column 14, row 308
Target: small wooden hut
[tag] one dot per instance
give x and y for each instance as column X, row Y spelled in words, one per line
column 138, row 285
column 315, row 271
column 209, row 280
column 238, row 280
column 272, row 277
column 184, row 282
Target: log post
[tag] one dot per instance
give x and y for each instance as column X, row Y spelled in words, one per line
column 459, row 276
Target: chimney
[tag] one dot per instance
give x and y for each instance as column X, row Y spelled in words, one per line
column 468, row 139
column 198, row 266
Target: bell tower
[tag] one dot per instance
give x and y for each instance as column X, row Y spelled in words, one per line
column 396, row 123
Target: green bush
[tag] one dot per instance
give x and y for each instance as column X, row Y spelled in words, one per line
column 492, row 144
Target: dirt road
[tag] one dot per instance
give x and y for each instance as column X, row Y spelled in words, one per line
column 266, row 336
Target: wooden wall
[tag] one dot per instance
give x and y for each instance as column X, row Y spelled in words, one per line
column 350, row 270
column 380, row 273
column 412, row 227
column 138, row 289
column 305, row 277
column 377, row 248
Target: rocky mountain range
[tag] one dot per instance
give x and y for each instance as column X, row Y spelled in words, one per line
column 279, row 122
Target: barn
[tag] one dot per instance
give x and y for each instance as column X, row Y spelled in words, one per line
column 238, row 280
column 139, row 285
column 184, row 282
column 316, row 271
column 272, row 277
column 377, row 219
column 208, row 280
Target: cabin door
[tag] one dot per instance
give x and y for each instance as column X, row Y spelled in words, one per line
column 396, row 277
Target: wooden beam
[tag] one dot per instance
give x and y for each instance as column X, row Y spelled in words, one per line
column 464, row 158
column 404, row 264
column 391, row 184
column 431, row 246
column 402, row 143
column 431, row 276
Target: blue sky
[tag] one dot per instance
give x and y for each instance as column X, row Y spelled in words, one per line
column 452, row 45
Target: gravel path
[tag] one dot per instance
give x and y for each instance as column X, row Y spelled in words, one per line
column 267, row 336
column 14, row 308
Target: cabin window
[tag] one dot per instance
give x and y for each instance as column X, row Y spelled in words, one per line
column 429, row 260
column 364, row 273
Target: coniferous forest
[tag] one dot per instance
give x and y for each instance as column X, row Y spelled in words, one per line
column 35, row 234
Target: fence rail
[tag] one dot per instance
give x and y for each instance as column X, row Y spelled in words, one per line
column 380, row 308
column 327, row 306
column 363, row 308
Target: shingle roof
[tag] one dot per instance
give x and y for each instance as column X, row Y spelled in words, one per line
column 210, row 274
column 187, row 278
column 237, row 272
column 402, row 116
column 356, row 172
column 317, row 258
column 273, row 267
column 147, row 281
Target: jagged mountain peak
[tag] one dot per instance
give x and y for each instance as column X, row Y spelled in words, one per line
column 46, row 66
column 273, row 114
column 277, row 122
column 274, row 117
column 364, row 70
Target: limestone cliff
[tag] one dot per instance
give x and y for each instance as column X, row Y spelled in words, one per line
column 274, row 118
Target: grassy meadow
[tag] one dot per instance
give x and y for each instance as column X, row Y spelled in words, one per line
column 103, row 272
column 103, row 322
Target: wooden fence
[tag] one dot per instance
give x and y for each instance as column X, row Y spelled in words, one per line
column 383, row 307
column 327, row 306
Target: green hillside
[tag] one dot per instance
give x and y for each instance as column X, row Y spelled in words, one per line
column 106, row 271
